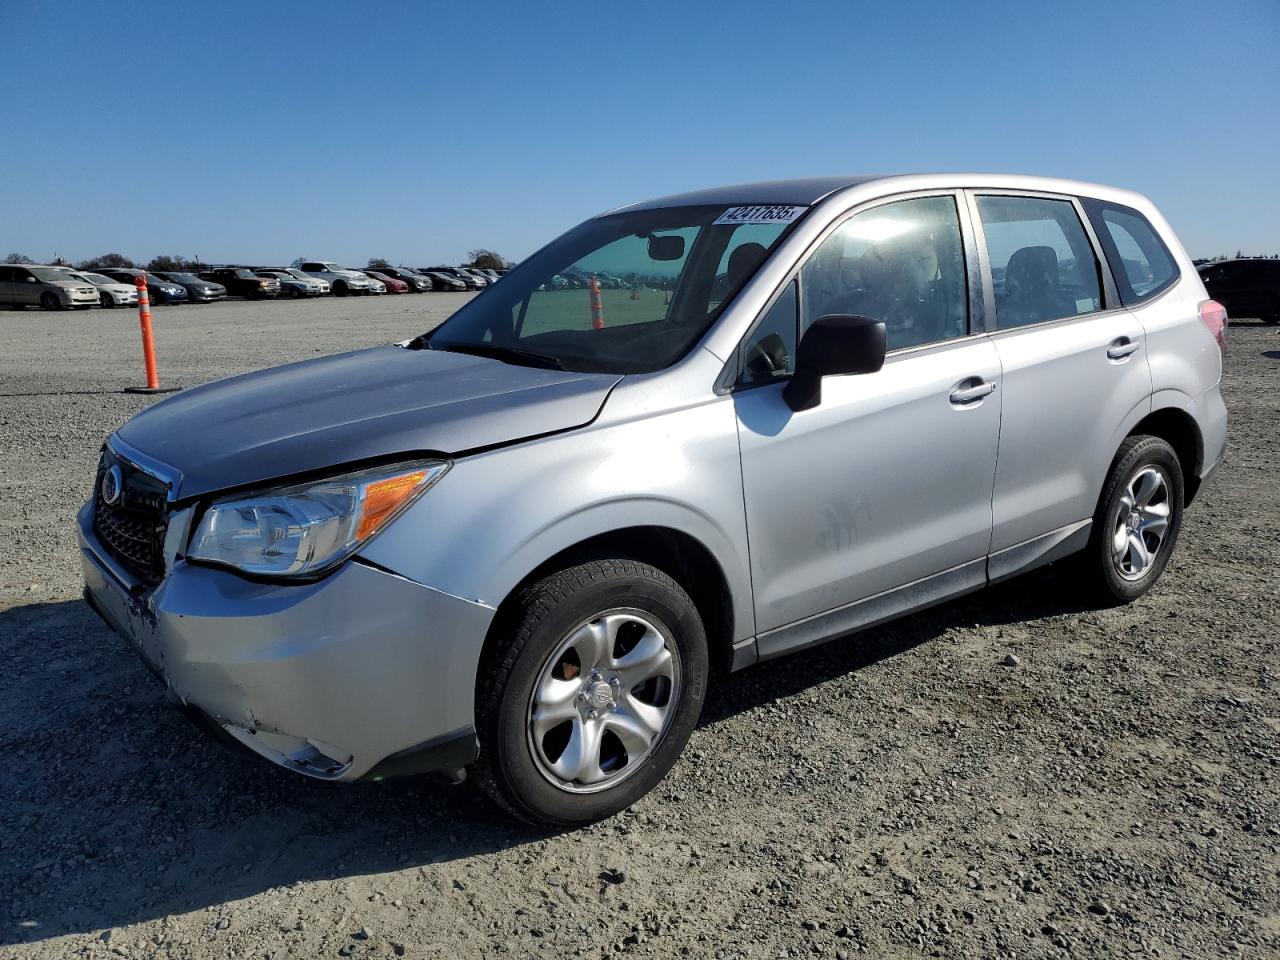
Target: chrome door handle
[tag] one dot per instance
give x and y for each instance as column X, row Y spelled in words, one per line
column 974, row 392
column 1122, row 347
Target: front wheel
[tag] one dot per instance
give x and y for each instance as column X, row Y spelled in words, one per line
column 50, row 301
column 1137, row 521
column 106, row 300
column 591, row 693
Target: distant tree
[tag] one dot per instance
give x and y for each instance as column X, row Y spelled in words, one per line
column 166, row 263
column 376, row 262
column 107, row 260
column 486, row 259
column 18, row 258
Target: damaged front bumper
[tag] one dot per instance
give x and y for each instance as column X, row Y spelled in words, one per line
column 363, row 674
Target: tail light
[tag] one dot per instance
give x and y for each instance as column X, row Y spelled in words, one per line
column 1214, row 316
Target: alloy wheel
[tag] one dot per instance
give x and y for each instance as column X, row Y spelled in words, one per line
column 1141, row 523
column 603, row 701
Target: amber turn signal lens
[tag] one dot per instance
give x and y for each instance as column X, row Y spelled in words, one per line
column 383, row 498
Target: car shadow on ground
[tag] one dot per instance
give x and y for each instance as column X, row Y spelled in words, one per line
column 117, row 810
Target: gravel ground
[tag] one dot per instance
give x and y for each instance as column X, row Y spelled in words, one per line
column 1007, row 775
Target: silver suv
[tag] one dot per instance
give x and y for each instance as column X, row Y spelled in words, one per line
column 523, row 542
column 54, row 288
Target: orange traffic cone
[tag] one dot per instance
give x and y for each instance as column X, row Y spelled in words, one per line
column 597, row 309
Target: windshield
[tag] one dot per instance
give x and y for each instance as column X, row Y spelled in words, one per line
column 184, row 277
column 51, row 274
column 296, row 274
column 625, row 293
column 154, row 279
column 98, row 279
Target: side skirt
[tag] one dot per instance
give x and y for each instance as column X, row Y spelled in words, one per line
column 900, row 601
column 963, row 579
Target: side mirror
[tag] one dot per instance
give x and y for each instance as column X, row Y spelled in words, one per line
column 834, row 345
column 32, row 280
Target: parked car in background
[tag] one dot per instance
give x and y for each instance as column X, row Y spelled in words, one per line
column 159, row 290
column 416, row 281
column 392, row 284
column 111, row 293
column 1248, row 287
column 243, row 282
column 198, row 289
column 485, row 279
column 445, row 281
column 294, row 283
column 53, row 288
column 470, row 282
column 376, row 286
column 342, row 280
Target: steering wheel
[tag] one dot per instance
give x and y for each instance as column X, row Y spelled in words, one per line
column 757, row 353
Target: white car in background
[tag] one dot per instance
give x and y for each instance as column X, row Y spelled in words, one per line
column 341, row 279
column 111, row 293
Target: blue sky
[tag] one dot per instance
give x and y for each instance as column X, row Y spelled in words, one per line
column 255, row 132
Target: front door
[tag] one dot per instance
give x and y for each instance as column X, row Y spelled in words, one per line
column 888, row 480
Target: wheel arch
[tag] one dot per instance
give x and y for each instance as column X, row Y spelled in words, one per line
column 677, row 553
column 1179, row 429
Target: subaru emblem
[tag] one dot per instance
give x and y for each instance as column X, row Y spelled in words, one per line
column 112, row 483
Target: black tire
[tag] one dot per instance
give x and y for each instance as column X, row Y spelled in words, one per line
column 339, row 289
column 49, row 301
column 106, row 300
column 544, row 614
column 1106, row 582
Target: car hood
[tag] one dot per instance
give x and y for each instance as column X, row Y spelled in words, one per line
column 319, row 415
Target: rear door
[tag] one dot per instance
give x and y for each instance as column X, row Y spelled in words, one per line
column 6, row 286
column 26, row 288
column 1074, row 370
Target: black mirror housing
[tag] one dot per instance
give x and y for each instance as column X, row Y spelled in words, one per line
column 834, row 345
column 666, row 248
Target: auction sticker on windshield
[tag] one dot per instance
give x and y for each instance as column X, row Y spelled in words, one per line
column 759, row 214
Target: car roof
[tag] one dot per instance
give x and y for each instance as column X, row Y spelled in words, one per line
column 808, row 191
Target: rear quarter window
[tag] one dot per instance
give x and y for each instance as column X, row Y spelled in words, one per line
column 1142, row 265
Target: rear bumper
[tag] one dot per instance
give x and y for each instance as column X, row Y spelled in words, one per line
column 362, row 674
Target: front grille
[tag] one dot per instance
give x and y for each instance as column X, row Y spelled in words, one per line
column 133, row 528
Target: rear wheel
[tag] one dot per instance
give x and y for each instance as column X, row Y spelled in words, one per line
column 1137, row 521
column 591, row 693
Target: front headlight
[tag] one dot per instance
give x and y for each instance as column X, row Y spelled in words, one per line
column 302, row 530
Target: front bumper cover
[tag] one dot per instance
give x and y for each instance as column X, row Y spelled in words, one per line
column 362, row 674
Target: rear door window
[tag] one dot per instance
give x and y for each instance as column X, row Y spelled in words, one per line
column 1042, row 263
column 1140, row 262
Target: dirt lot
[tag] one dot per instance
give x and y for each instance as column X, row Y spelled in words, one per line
column 903, row 793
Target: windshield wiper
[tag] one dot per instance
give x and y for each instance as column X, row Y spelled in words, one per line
column 497, row 351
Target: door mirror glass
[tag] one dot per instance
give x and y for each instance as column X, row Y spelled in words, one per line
column 834, row 345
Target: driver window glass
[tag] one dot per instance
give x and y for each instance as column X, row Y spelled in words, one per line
column 769, row 353
column 902, row 263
